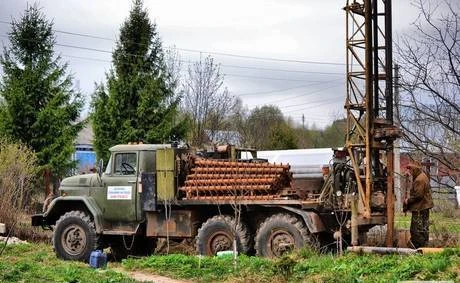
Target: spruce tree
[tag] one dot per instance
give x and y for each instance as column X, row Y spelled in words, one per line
column 40, row 107
column 137, row 102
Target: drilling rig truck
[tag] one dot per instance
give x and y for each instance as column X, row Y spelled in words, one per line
column 158, row 191
column 148, row 192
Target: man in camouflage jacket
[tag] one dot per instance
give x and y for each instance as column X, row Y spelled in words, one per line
column 419, row 203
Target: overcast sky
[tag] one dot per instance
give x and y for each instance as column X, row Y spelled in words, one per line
column 290, row 29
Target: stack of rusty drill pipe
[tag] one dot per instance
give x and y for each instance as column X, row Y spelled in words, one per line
column 235, row 182
column 226, row 188
column 248, row 170
column 200, row 194
column 213, row 179
column 199, row 176
column 235, row 164
column 207, row 195
column 228, row 164
column 258, row 197
column 245, row 195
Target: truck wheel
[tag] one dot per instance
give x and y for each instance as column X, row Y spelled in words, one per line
column 281, row 233
column 216, row 235
column 74, row 237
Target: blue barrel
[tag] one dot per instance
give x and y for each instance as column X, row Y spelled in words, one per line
column 98, row 259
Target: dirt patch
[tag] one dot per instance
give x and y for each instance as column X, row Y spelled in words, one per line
column 148, row 277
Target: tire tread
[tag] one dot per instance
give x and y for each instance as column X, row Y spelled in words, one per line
column 307, row 237
column 92, row 236
column 242, row 232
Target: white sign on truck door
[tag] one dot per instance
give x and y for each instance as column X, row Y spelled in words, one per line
column 119, row 192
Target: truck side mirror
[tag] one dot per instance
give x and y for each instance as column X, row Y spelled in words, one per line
column 100, row 167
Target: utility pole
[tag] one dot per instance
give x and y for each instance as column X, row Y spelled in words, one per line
column 397, row 144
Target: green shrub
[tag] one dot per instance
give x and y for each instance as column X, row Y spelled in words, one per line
column 17, row 170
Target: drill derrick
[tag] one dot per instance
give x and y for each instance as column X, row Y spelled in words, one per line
column 369, row 103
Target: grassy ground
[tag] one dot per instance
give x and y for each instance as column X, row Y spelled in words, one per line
column 444, row 227
column 437, row 221
column 306, row 267
column 37, row 263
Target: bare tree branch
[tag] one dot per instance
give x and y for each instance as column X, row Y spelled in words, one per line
column 430, row 79
column 206, row 99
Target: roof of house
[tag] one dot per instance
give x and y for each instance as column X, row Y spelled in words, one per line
column 85, row 136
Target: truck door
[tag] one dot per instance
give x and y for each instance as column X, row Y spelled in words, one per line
column 121, row 188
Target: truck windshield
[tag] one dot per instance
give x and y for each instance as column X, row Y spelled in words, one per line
column 125, row 163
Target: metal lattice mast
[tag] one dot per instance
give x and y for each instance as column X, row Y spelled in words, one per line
column 369, row 102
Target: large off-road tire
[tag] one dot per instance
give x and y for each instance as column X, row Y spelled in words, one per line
column 282, row 233
column 216, row 235
column 74, row 237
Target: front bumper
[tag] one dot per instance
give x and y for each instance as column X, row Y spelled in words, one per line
column 38, row 220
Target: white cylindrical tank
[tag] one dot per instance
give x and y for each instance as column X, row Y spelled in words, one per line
column 305, row 163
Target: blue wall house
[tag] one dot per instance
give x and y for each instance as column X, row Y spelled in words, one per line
column 84, row 153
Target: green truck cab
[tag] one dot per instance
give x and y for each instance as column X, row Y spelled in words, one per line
column 94, row 209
